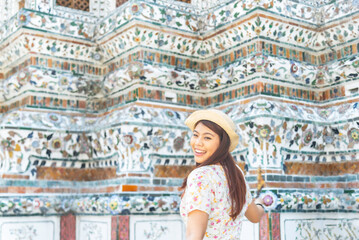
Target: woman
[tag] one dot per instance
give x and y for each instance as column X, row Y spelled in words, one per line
column 216, row 195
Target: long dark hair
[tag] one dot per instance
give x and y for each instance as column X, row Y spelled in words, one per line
column 235, row 179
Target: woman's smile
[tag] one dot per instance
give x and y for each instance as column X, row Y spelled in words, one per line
column 204, row 143
column 199, row 153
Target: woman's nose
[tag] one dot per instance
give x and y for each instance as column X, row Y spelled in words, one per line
column 198, row 141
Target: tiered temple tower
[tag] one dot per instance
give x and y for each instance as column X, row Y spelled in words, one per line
column 94, row 94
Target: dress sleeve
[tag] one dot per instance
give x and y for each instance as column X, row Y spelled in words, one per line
column 199, row 191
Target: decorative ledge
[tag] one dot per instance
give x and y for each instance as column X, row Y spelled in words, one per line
column 125, row 204
column 334, row 200
column 95, row 204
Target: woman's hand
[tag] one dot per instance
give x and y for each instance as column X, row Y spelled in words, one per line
column 255, row 212
column 196, row 225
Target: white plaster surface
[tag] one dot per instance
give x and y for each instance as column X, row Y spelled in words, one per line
column 250, row 231
column 93, row 228
column 158, row 227
column 144, row 227
column 26, row 228
column 319, row 226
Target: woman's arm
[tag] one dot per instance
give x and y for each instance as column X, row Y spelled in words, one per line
column 255, row 212
column 196, row 225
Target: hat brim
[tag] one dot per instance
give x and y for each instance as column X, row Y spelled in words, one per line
column 218, row 117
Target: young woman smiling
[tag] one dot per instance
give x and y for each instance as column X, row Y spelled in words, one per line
column 216, row 195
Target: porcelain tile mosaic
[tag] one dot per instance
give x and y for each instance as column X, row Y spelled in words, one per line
column 94, row 95
column 319, row 134
column 283, row 200
column 144, row 74
column 50, row 6
column 306, row 201
column 95, row 205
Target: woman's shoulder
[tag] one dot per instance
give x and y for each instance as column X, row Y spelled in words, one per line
column 205, row 171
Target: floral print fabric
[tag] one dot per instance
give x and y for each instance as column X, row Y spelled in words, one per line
column 207, row 191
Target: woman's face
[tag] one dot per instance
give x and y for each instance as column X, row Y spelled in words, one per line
column 204, row 142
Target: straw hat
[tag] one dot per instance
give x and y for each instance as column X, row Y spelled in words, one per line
column 218, row 117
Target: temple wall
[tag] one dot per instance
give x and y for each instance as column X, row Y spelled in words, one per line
column 94, row 95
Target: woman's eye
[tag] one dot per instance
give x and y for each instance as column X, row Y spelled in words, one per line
column 207, row 138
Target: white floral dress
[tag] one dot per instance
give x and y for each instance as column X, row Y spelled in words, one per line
column 207, row 191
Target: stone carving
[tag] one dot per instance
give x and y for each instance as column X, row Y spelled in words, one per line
column 155, row 232
column 24, row 232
